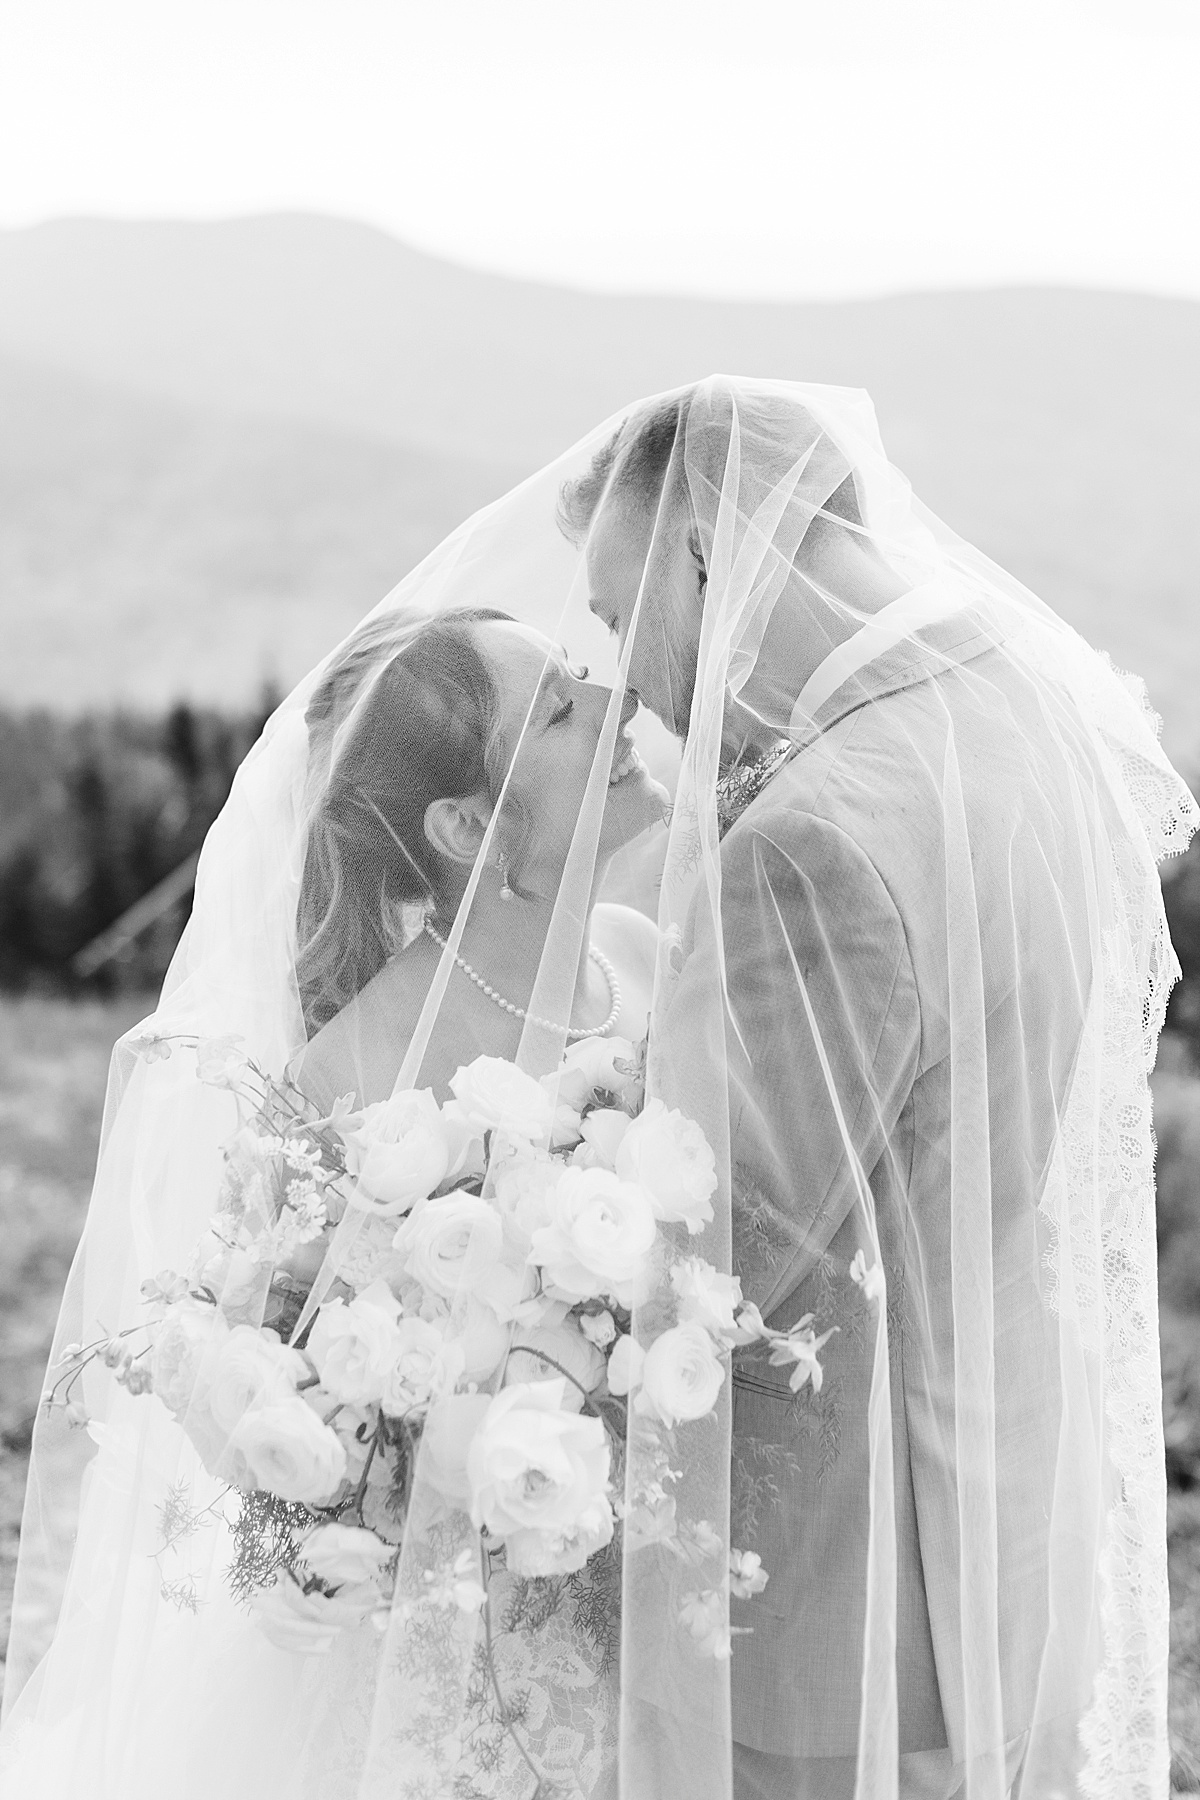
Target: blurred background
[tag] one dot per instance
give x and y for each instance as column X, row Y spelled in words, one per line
column 288, row 290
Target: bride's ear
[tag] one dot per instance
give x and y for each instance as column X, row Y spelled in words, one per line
column 455, row 828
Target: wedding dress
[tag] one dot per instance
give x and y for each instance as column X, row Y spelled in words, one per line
column 855, row 1258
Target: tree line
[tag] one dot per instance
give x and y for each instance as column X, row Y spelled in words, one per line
column 97, row 809
column 94, row 811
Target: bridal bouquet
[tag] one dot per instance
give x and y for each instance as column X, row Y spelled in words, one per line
column 458, row 1278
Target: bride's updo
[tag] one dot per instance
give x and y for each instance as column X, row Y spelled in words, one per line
column 391, row 728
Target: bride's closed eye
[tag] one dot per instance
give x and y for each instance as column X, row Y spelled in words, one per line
column 564, row 712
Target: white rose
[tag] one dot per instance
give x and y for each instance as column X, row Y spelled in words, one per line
column 532, row 1553
column 567, row 1128
column 345, row 1422
column 230, row 1274
column 398, row 1149
column 496, row 1096
column 289, row 1452
column 445, row 1442
column 451, row 1243
column 353, row 1347
column 253, row 1368
column 426, row 1364
column 524, row 1187
column 338, row 1554
column 599, row 1328
column 533, row 1466
column 681, row 1376
column 464, row 1142
column 309, row 1624
column 590, row 1068
column 673, row 1160
column 186, row 1348
column 544, row 1353
column 602, row 1132
column 599, row 1238
column 706, row 1297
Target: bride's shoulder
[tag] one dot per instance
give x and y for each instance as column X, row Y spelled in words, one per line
column 361, row 1049
column 626, row 936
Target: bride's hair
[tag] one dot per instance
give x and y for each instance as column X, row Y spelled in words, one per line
column 391, row 728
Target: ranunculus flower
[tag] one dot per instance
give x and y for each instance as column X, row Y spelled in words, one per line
column 449, row 1244
column 338, row 1554
column 599, row 1238
column 590, row 1068
column 672, row 1159
column 564, row 1345
column 427, row 1363
column 289, row 1452
column 533, row 1466
column 707, row 1297
column 252, row 1368
column 354, row 1347
column 681, row 1376
column 445, row 1441
column 186, row 1348
column 533, row 1553
column 308, row 1624
column 496, row 1096
column 398, row 1150
column 602, row 1132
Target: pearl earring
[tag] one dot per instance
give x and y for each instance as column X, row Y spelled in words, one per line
column 506, row 892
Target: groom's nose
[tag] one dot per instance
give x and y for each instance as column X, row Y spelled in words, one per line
column 629, row 705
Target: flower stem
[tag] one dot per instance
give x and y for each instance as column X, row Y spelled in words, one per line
column 486, row 1570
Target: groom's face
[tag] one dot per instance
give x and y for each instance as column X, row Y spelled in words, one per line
column 627, row 555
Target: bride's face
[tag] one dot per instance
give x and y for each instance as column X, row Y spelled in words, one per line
column 553, row 718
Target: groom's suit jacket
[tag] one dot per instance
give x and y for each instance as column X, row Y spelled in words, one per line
column 839, row 864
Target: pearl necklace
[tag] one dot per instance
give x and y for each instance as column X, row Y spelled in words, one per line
column 518, row 1012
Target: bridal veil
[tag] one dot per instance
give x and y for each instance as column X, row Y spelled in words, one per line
column 865, row 1398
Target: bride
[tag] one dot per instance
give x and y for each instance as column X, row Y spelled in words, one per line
column 518, row 1349
column 471, row 697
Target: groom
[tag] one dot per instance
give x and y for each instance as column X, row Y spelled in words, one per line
column 834, row 868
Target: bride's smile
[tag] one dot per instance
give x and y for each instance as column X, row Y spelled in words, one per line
column 553, row 718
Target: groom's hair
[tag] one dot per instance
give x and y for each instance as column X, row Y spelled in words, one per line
column 631, row 466
column 645, row 452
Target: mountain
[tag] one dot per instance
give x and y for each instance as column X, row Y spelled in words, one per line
column 287, row 359
column 149, row 548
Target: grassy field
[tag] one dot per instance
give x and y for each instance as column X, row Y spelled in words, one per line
column 53, row 1060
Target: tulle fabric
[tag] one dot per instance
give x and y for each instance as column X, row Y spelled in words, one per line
column 910, row 991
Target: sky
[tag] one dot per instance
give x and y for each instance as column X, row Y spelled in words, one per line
column 746, row 148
